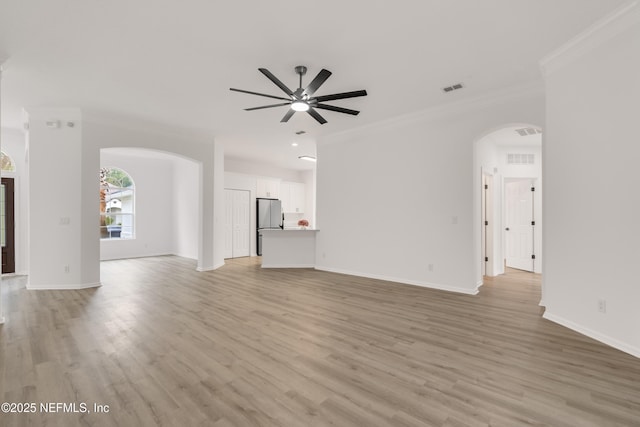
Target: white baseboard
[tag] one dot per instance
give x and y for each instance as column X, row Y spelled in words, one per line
column 403, row 281
column 15, row 274
column 215, row 267
column 63, row 286
column 288, row 265
column 592, row 334
column 134, row 256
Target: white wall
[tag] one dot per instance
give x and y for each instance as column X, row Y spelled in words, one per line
column 58, row 162
column 262, row 169
column 185, row 208
column 397, row 198
column 154, row 205
column 591, row 200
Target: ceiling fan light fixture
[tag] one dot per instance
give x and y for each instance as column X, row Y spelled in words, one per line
column 299, row 106
column 304, row 99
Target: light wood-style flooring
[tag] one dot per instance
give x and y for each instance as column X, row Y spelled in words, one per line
column 162, row 344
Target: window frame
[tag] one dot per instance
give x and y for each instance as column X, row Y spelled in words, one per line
column 107, row 234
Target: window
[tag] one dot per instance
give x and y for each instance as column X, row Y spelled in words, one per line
column 116, row 204
column 7, row 163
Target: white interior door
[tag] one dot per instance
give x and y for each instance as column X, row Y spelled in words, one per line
column 519, row 228
column 241, row 223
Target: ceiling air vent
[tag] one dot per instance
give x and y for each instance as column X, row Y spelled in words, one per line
column 520, row 159
column 528, row 131
column 452, row 87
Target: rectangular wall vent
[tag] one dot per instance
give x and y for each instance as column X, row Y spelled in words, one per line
column 528, row 131
column 452, row 87
column 520, row 159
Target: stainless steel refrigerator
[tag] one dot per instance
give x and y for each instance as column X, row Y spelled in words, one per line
column 269, row 216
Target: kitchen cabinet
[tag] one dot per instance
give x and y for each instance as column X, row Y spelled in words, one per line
column 293, row 197
column 268, row 188
column 289, row 249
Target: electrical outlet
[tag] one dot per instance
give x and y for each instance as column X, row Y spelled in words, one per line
column 67, row 269
column 602, row 306
column 430, row 267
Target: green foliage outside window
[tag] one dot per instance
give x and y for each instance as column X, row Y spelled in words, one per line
column 118, row 178
column 7, row 163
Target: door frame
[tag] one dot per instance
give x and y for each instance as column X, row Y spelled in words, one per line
column 10, row 225
column 487, row 223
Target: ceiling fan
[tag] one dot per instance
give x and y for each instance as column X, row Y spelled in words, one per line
column 303, row 99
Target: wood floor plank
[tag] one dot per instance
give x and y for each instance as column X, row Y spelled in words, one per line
column 162, row 344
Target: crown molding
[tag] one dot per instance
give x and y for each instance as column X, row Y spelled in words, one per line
column 440, row 112
column 594, row 36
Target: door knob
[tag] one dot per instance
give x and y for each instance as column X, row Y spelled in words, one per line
column 507, row 228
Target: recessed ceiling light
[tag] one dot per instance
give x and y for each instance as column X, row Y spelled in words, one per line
column 308, row 158
column 294, row 144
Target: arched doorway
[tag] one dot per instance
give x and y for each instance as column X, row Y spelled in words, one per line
column 157, row 208
column 509, row 199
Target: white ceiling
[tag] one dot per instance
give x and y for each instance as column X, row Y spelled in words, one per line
column 172, row 62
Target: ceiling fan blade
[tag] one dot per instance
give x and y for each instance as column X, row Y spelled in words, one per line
column 287, row 116
column 338, row 109
column 275, row 80
column 313, row 113
column 259, row 94
column 343, row 95
column 322, row 76
column 267, row 106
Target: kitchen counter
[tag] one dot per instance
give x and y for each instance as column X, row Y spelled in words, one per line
column 289, row 248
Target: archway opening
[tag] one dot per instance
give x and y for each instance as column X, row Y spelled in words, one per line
column 165, row 216
column 508, row 194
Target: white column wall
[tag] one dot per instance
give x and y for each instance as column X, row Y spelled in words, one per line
column 61, row 212
column 185, row 200
column 218, row 211
column 591, row 201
